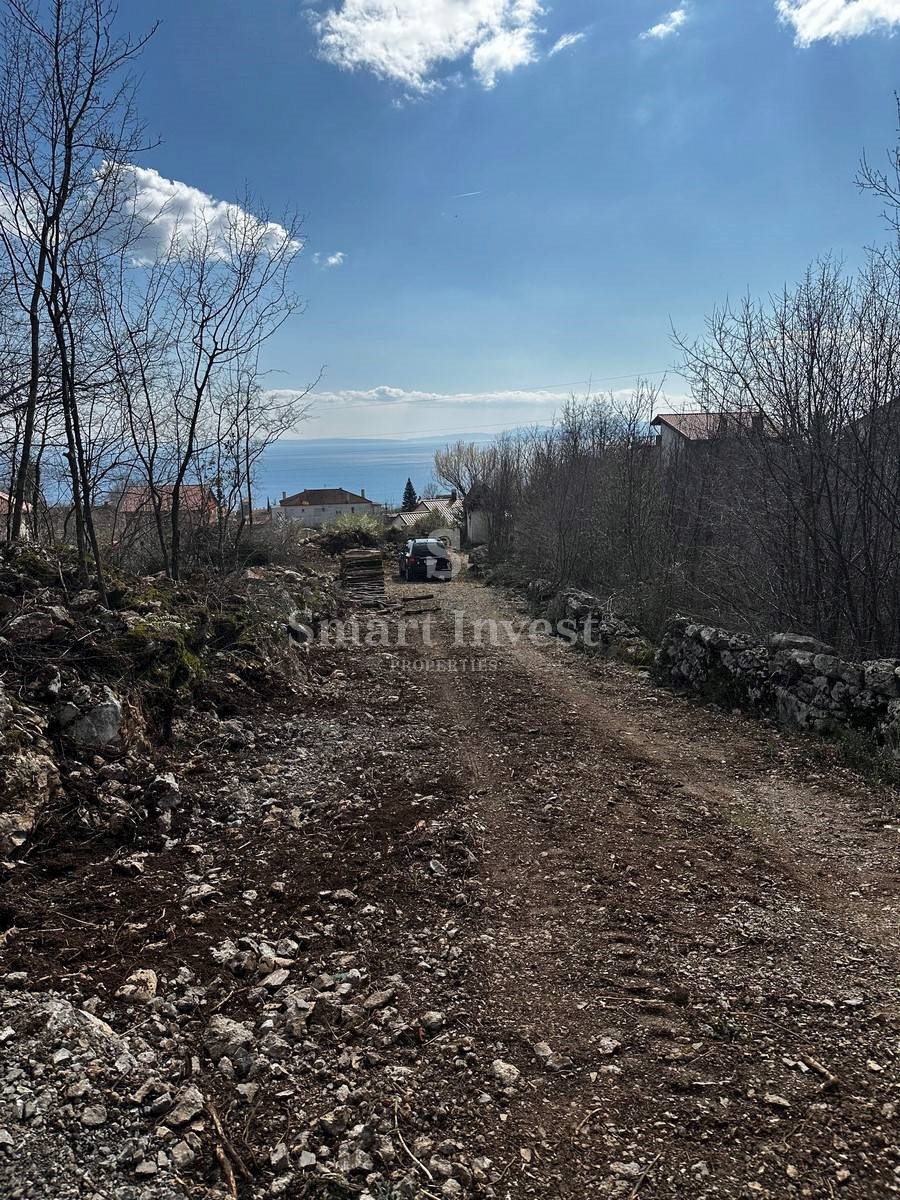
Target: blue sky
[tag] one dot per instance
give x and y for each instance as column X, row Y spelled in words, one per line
column 665, row 157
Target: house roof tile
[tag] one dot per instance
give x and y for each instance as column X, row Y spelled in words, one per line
column 322, row 497
column 704, row 426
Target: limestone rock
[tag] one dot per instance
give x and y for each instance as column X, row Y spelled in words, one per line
column 140, row 987
column 188, row 1105
column 224, row 1036
column 505, row 1072
column 28, row 779
column 101, row 725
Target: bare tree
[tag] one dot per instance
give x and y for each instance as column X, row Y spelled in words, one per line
column 65, row 109
column 186, row 327
column 230, row 291
column 246, row 420
column 460, row 466
column 884, row 182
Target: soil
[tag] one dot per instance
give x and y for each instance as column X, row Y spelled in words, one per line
column 693, row 917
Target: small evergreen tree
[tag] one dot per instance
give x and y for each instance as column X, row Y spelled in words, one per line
column 410, row 499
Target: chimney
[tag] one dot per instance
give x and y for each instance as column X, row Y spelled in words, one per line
column 362, row 492
column 284, row 495
column 453, row 496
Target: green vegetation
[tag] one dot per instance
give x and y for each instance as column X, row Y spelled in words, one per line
column 861, row 751
column 352, row 532
column 410, row 499
column 167, row 654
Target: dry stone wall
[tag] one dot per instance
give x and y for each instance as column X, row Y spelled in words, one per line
column 586, row 620
column 796, row 680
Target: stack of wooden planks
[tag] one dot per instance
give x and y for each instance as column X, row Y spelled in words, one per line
column 362, row 575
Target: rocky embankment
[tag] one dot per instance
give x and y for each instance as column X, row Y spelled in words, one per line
column 89, row 692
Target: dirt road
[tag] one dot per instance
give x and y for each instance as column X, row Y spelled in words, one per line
column 697, row 912
column 554, row 932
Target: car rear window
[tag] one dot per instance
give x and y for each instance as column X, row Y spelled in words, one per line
column 428, row 550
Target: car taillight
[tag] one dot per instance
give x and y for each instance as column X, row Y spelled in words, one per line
column 410, row 559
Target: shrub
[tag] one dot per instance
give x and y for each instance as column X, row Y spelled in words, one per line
column 352, row 532
column 277, row 543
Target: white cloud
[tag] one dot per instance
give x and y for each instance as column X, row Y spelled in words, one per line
column 401, row 413
column 407, row 41
column 405, row 401
column 327, row 261
column 563, row 43
column 506, row 50
column 815, row 20
column 171, row 214
column 669, row 25
column 386, row 396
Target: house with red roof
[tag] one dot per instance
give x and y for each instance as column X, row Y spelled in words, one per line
column 318, row 507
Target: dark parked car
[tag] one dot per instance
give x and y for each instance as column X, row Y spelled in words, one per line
column 425, row 558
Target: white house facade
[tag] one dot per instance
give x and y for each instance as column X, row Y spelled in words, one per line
column 319, row 507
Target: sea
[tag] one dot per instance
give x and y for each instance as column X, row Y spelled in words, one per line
column 379, row 465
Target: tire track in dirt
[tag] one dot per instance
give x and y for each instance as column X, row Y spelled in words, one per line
column 838, row 834
column 655, row 912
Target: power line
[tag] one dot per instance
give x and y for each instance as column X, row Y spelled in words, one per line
column 592, row 380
